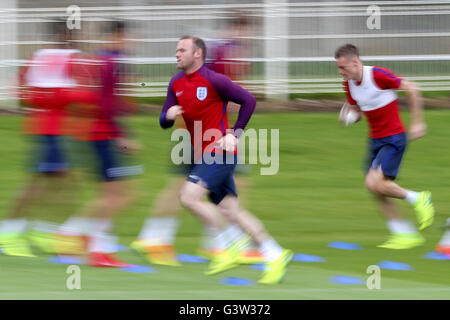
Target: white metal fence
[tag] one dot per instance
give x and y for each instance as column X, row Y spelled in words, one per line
column 291, row 44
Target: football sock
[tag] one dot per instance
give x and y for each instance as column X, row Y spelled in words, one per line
column 226, row 237
column 99, row 225
column 162, row 230
column 271, row 249
column 76, row 226
column 103, row 242
column 212, row 240
column 209, row 242
column 411, row 196
column 445, row 241
column 401, row 226
column 17, row 226
column 43, row 226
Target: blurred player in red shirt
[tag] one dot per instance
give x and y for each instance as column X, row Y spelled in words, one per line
column 226, row 55
column 371, row 90
column 107, row 142
column 49, row 85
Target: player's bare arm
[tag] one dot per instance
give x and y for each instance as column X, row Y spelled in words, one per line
column 418, row 127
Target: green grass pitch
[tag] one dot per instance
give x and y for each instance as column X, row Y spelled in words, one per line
column 317, row 197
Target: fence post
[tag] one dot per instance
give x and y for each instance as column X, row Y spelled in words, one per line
column 8, row 38
column 276, row 47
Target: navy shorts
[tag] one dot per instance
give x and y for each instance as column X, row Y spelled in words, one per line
column 388, row 153
column 216, row 177
column 50, row 154
column 111, row 164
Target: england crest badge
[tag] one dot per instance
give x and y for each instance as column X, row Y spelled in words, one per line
column 202, row 92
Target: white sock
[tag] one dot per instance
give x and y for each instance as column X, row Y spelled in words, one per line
column 76, row 226
column 401, row 226
column 100, row 225
column 271, row 249
column 44, row 226
column 411, row 196
column 445, row 241
column 226, row 237
column 14, row 226
column 234, row 233
column 103, row 242
column 209, row 241
column 214, row 240
column 159, row 230
column 221, row 240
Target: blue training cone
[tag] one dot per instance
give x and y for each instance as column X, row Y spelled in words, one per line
column 191, row 259
column 344, row 245
column 392, row 265
column 138, row 269
column 300, row 257
column 237, row 281
column 120, row 247
column 346, row 280
column 65, row 260
column 258, row 266
column 436, row 256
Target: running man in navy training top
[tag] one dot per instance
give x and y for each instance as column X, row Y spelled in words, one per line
column 201, row 95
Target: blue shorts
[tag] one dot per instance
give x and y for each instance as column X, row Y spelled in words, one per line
column 112, row 164
column 217, row 178
column 49, row 155
column 388, row 153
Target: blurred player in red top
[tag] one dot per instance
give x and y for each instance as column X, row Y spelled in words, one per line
column 371, row 90
column 201, row 96
column 111, row 148
column 50, row 84
column 225, row 55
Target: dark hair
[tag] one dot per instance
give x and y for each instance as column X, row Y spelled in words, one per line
column 346, row 50
column 115, row 27
column 58, row 28
column 198, row 44
column 239, row 21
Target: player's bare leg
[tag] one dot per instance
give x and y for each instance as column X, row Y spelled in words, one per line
column 275, row 256
column 156, row 240
column 191, row 197
column 113, row 198
column 376, row 182
column 167, row 204
column 210, row 247
column 34, row 189
column 231, row 209
column 48, row 188
column 404, row 235
column 388, row 208
column 94, row 222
